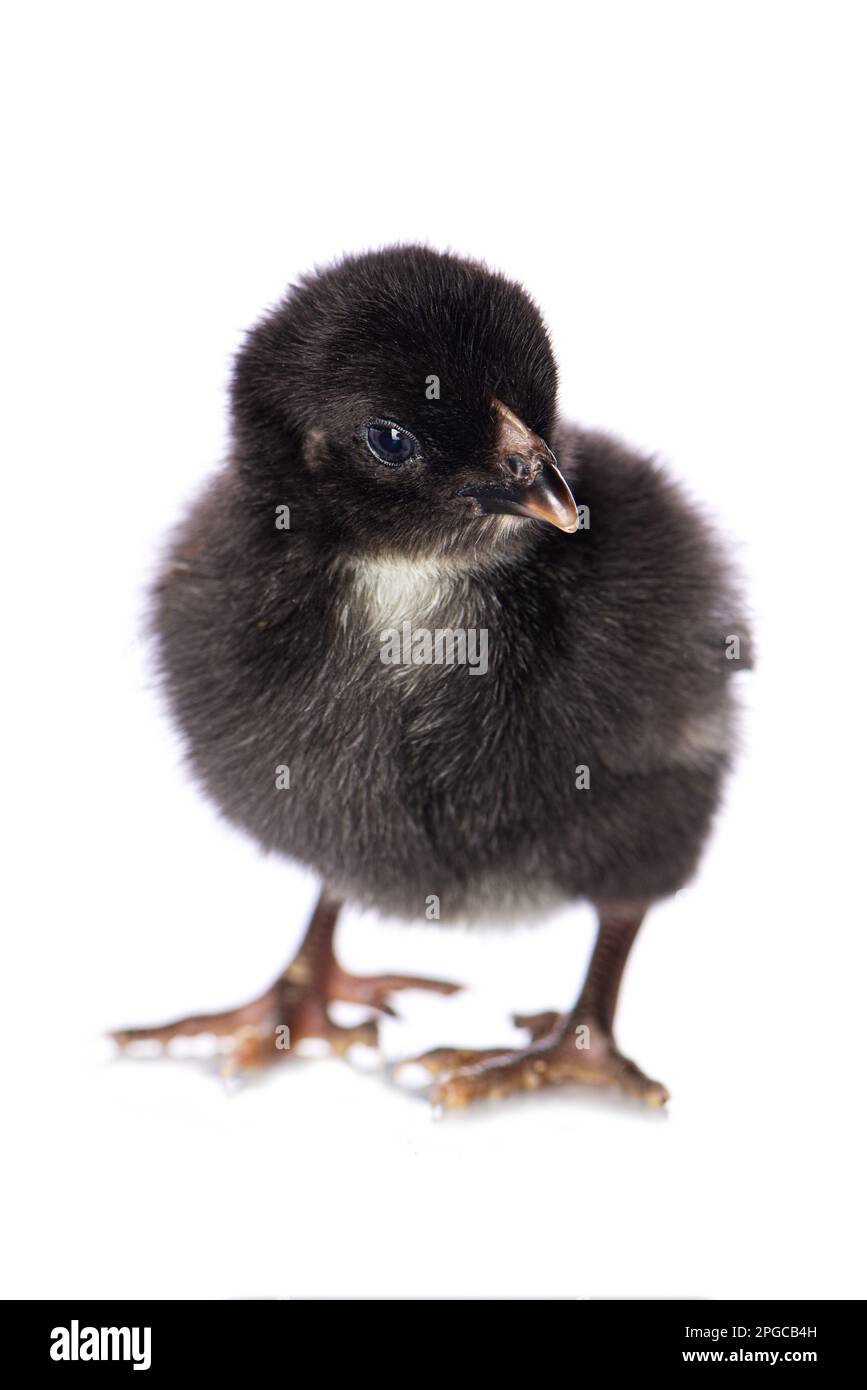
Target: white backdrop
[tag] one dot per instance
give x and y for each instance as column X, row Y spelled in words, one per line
column 681, row 188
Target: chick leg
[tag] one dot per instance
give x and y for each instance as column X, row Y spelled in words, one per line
column 574, row 1047
column 295, row 1007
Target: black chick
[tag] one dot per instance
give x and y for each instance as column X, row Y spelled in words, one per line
column 398, row 473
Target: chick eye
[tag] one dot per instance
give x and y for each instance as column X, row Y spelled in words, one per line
column 389, row 443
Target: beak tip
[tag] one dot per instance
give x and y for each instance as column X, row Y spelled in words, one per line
column 542, row 494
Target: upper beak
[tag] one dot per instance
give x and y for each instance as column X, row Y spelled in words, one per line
column 526, row 480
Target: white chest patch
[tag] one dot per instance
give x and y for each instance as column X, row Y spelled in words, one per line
column 390, row 590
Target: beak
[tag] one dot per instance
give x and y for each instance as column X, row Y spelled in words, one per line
column 526, row 480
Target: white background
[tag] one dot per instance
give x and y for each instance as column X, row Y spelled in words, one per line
column 680, row 186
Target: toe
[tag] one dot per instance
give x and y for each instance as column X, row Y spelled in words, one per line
column 374, row 990
column 441, row 1061
column 538, row 1025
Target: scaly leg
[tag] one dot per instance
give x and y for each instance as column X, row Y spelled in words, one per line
column 578, row 1046
column 295, row 1007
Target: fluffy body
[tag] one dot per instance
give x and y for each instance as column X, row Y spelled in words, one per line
column 607, row 648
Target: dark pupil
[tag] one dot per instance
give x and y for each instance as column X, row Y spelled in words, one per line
column 391, row 441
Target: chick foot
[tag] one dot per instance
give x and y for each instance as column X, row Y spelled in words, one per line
column 563, row 1049
column 294, row 1009
column 267, row 1029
